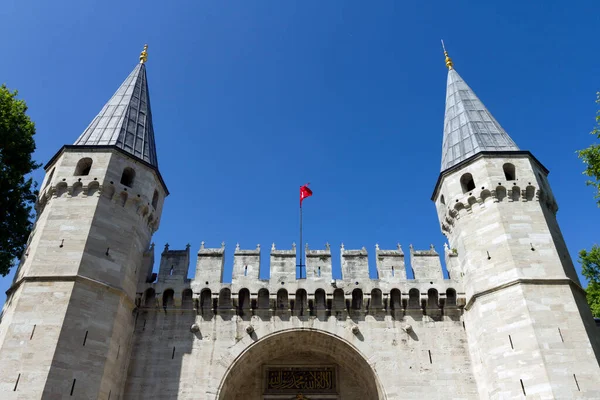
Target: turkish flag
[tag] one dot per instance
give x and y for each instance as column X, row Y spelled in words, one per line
column 304, row 193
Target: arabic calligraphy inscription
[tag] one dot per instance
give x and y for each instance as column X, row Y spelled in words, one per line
column 305, row 379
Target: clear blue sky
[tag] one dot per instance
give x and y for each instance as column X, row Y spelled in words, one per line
column 251, row 99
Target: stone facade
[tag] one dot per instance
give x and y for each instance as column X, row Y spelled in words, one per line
column 87, row 318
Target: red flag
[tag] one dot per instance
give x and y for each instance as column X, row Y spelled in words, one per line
column 304, row 193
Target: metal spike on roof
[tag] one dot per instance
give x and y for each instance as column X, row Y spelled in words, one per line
column 126, row 120
column 469, row 127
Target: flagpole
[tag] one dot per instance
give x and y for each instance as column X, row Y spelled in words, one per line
column 301, row 245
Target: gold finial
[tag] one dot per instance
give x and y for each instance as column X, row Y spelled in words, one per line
column 144, row 55
column 449, row 62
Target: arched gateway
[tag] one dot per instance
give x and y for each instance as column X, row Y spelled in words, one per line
column 300, row 364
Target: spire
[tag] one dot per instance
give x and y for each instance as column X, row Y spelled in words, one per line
column 469, row 127
column 449, row 62
column 126, row 120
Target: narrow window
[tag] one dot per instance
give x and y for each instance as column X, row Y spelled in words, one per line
column 523, row 387
column 155, row 199
column 171, row 270
column 83, row 167
column 19, row 377
column 85, row 337
column 73, row 386
column 319, row 272
column 393, row 273
column 511, row 343
column 442, row 200
column 430, row 360
column 173, row 354
column 128, row 177
column 32, row 332
column 510, row 172
column 245, row 270
column 467, row 183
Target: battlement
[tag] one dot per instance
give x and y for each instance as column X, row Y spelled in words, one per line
column 356, row 292
column 390, row 264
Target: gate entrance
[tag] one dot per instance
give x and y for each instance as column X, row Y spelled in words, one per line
column 300, row 365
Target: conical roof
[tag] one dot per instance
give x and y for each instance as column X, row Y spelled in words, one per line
column 126, row 120
column 469, row 128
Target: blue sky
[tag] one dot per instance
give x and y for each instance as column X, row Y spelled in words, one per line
column 251, row 99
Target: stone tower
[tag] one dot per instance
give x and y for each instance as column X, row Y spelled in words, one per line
column 68, row 320
column 529, row 328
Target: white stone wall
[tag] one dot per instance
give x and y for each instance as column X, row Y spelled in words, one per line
column 396, row 341
column 521, row 287
column 68, row 320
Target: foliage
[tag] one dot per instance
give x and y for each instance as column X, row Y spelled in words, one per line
column 591, row 157
column 590, row 268
column 593, row 298
column 17, row 191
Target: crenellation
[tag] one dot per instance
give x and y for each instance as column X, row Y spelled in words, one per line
column 318, row 263
column 355, row 264
column 426, row 264
column 174, row 266
column 210, row 266
column 246, row 265
column 282, row 265
column 391, row 266
column 452, row 264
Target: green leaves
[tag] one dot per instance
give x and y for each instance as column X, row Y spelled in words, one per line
column 590, row 263
column 591, row 157
column 17, row 190
column 593, row 298
column 590, row 268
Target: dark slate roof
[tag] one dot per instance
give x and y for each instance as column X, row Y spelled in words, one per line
column 126, row 120
column 469, row 127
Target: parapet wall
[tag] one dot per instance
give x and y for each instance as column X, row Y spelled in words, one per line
column 428, row 292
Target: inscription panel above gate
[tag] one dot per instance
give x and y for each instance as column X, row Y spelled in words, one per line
column 305, row 379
